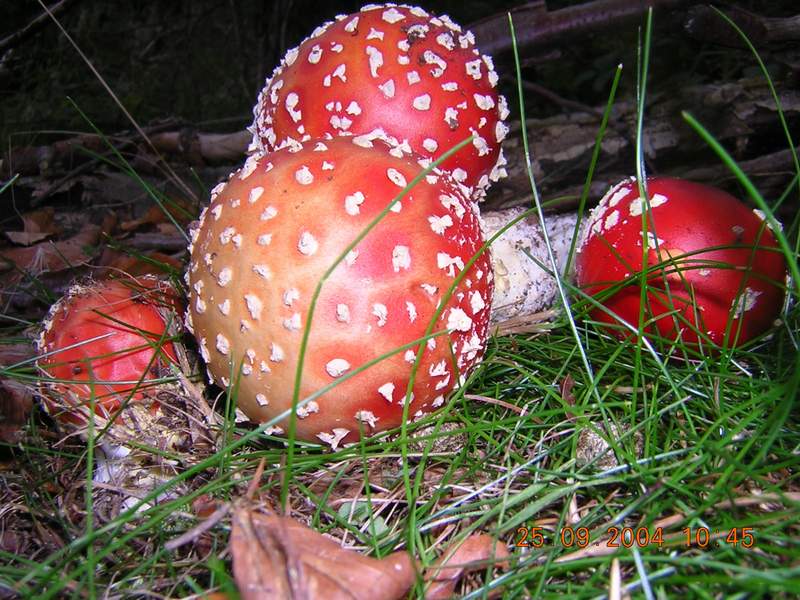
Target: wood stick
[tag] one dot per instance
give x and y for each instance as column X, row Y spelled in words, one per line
column 534, row 25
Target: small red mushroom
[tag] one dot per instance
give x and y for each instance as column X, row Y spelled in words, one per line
column 108, row 340
column 394, row 72
column 715, row 271
column 265, row 241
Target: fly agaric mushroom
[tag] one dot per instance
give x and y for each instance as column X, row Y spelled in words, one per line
column 715, row 271
column 523, row 284
column 265, row 241
column 109, row 343
column 105, row 340
column 394, row 72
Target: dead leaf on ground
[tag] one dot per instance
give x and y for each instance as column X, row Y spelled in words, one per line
column 49, row 256
column 278, row 557
column 474, row 553
column 114, row 262
column 37, row 225
column 52, row 256
column 178, row 208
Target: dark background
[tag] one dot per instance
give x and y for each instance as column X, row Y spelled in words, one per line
column 203, row 61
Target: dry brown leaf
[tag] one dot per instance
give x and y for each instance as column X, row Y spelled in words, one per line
column 49, row 256
column 156, row 216
column 53, row 256
column 475, row 552
column 205, row 505
column 278, row 557
column 37, row 225
column 115, row 262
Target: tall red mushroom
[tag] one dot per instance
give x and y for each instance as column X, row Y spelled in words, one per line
column 267, row 238
column 395, row 72
column 715, row 273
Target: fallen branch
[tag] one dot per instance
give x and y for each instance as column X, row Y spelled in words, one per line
column 705, row 23
column 534, row 25
column 742, row 114
column 34, row 26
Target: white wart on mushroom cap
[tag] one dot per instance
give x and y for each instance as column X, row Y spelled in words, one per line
column 268, row 236
column 394, row 72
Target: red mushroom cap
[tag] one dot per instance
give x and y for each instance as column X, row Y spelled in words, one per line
column 715, row 264
column 108, row 339
column 394, row 72
column 265, row 241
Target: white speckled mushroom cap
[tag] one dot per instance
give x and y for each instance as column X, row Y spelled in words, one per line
column 265, row 241
column 393, row 69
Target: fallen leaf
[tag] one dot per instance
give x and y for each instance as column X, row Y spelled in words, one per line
column 115, row 263
column 278, row 557
column 205, row 505
column 178, row 209
column 474, row 553
column 37, row 225
column 567, row 384
column 53, row 256
column 49, row 256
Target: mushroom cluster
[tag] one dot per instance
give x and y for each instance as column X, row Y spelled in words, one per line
column 267, row 239
column 342, row 128
column 714, row 272
column 394, row 72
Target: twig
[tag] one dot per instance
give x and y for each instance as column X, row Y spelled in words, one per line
column 489, row 400
column 34, row 26
column 703, row 22
column 544, row 92
column 198, row 530
column 536, row 26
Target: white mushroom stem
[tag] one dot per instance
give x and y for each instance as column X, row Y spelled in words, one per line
column 521, row 286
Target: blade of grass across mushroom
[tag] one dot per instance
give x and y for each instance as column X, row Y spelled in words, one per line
column 643, row 65
column 315, row 297
column 411, row 493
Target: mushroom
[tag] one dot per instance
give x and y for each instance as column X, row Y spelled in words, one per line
column 266, row 240
column 108, row 344
column 523, row 283
column 394, row 72
column 105, row 341
column 715, row 273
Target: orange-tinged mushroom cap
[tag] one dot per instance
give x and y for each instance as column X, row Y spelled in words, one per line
column 268, row 237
